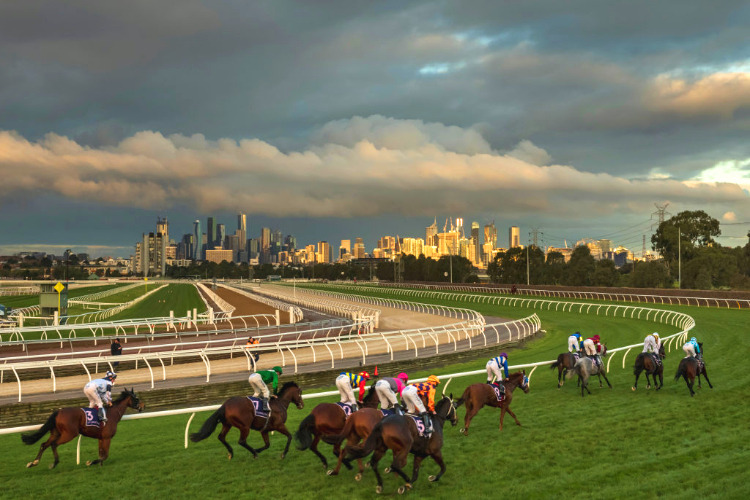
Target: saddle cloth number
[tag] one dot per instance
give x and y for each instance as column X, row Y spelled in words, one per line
column 92, row 416
column 258, row 407
column 500, row 396
column 346, row 407
column 420, row 425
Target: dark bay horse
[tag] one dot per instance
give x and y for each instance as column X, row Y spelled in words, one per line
column 478, row 395
column 239, row 412
column 358, row 427
column 325, row 423
column 399, row 433
column 645, row 362
column 689, row 369
column 565, row 361
column 585, row 367
column 67, row 423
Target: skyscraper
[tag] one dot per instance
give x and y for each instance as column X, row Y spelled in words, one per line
column 324, row 252
column 265, row 245
column 162, row 227
column 211, row 233
column 242, row 229
column 431, row 234
column 221, row 234
column 475, row 240
column 197, row 238
column 359, row 248
column 490, row 234
column 345, row 250
column 514, row 237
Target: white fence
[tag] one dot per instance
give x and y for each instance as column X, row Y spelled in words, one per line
column 92, row 297
column 9, row 291
column 224, row 307
column 295, row 313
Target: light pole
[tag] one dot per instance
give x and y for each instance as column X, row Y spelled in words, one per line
column 527, row 265
column 679, row 258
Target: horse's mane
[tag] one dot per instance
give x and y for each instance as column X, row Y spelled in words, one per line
column 516, row 375
column 370, row 393
column 287, row 385
column 126, row 393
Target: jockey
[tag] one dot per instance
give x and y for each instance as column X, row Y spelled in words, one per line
column 258, row 381
column 388, row 387
column 592, row 346
column 494, row 366
column 344, row 383
column 575, row 342
column 413, row 394
column 99, row 392
column 652, row 344
column 692, row 348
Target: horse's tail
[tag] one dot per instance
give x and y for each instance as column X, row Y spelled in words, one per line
column 639, row 364
column 555, row 364
column 304, row 435
column 680, row 371
column 35, row 436
column 373, row 441
column 463, row 398
column 209, row 425
column 346, row 431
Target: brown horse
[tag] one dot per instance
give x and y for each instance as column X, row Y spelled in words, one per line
column 358, row 427
column 400, row 434
column 478, row 395
column 565, row 361
column 645, row 362
column 689, row 369
column 239, row 412
column 67, row 423
column 325, row 423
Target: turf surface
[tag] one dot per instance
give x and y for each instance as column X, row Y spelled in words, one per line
column 615, row 443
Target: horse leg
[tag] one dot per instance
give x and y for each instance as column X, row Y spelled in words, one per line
column 513, row 415
column 222, row 437
column 604, row 374
column 103, row 453
column 52, row 438
column 283, row 430
column 502, row 416
column 415, row 469
column 374, row 465
column 438, row 458
column 399, row 462
column 637, row 375
column 314, row 449
column 706, row 375
column 648, row 382
column 350, row 441
column 689, row 385
column 661, row 379
column 561, row 371
column 244, row 432
column 471, row 411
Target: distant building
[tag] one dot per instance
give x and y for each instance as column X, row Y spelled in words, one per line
column 359, row 248
column 345, row 250
column 218, row 255
column 153, row 252
column 431, row 232
column 197, row 239
column 477, row 248
column 211, row 239
column 514, row 237
column 324, row 252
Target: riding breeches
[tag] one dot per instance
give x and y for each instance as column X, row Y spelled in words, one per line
column 689, row 349
column 650, row 345
column 259, row 387
column 589, row 347
column 385, row 394
column 94, row 399
column 573, row 344
column 344, row 385
column 411, row 398
column 492, row 369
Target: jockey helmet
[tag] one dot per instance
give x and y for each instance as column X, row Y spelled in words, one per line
column 596, row 337
column 504, row 355
column 277, row 369
column 693, row 339
column 403, row 376
column 110, row 375
column 432, row 379
column 577, row 334
column 364, row 374
column 656, row 334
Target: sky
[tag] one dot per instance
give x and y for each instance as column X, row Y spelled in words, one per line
column 344, row 119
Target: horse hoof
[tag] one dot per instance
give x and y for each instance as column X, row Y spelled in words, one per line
column 229, row 456
column 52, row 466
column 633, row 388
column 401, row 490
column 88, row 463
column 433, row 478
column 358, row 477
column 648, row 387
column 32, row 464
column 386, row 470
column 283, row 455
column 378, row 489
column 464, row 432
column 329, row 472
column 368, row 465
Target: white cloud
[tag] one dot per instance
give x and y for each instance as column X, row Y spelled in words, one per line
column 356, row 167
column 729, row 217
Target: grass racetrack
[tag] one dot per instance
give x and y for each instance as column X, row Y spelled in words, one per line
column 615, row 443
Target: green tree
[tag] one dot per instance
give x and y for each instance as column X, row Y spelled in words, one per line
column 580, row 269
column 554, row 268
column 652, row 274
column 696, row 229
column 605, row 273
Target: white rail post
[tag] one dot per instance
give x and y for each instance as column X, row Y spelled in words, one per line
column 55, row 318
column 278, row 317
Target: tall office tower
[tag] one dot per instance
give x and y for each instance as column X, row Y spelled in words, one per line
column 221, row 234
column 242, row 229
column 490, row 234
column 153, row 254
column 211, row 238
column 430, row 238
column 232, row 242
column 290, row 242
column 359, row 248
column 605, row 246
column 265, row 245
column 197, row 238
column 514, row 237
column 324, row 252
column 253, row 248
column 475, row 240
column 345, row 249
column 162, row 226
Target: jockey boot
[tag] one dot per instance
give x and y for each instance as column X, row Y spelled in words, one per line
column 102, row 414
column 398, row 409
column 355, row 407
column 266, row 406
column 427, row 421
column 489, row 382
column 501, row 388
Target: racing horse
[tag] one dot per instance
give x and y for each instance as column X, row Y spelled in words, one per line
column 67, row 423
column 478, row 395
column 690, row 368
column 400, row 434
column 325, row 423
column 585, row 367
column 358, row 427
column 565, row 361
column 645, row 362
column 239, row 412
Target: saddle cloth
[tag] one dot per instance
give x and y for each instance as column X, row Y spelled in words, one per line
column 418, row 422
column 92, row 417
column 258, row 407
column 656, row 359
column 346, row 407
column 385, row 413
column 499, row 395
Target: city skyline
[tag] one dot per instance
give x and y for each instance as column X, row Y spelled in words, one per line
column 360, row 118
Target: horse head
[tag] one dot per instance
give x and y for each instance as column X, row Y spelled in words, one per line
column 292, row 392
column 135, row 401
column 525, row 383
column 446, row 409
column 604, row 350
column 662, row 352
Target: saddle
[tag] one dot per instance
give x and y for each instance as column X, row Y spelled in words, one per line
column 656, row 359
column 418, row 422
column 92, row 417
column 499, row 394
column 346, row 407
column 258, row 407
